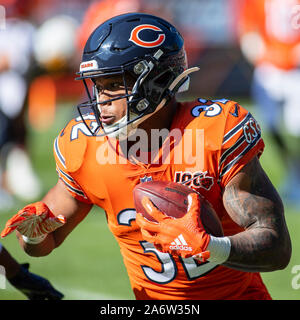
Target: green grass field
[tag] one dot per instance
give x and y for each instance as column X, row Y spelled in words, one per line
column 88, row 265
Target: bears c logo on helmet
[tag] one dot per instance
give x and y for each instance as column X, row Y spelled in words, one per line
column 134, row 36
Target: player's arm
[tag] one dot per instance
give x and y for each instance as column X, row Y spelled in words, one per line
column 253, row 203
column 60, row 202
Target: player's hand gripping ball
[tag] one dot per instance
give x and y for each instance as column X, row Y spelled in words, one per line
column 177, row 219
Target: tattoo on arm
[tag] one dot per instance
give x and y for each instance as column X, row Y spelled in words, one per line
column 253, row 203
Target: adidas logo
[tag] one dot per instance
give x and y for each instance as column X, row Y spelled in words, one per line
column 180, row 244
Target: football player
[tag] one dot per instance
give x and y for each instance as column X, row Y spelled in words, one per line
column 132, row 67
column 270, row 40
column 34, row 287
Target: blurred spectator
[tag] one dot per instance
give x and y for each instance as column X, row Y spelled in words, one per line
column 271, row 42
column 56, row 59
column 16, row 174
column 46, row 9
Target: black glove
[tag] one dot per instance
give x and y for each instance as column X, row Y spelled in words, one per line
column 34, row 286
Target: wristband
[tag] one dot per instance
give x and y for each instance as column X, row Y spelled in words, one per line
column 219, row 248
column 35, row 240
column 1, row 247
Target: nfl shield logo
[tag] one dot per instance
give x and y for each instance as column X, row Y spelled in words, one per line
column 146, row 179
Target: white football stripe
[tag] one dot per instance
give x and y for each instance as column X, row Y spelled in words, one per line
column 177, row 242
column 181, row 238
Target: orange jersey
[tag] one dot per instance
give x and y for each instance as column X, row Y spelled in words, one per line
column 277, row 22
column 228, row 136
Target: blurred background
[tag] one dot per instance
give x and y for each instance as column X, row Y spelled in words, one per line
column 247, row 51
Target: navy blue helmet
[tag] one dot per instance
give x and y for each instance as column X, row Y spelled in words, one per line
column 143, row 48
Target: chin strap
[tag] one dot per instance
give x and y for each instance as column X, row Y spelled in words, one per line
column 183, row 75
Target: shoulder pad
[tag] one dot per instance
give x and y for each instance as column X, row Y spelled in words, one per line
column 73, row 142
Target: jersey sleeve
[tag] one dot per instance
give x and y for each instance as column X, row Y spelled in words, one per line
column 63, row 173
column 242, row 141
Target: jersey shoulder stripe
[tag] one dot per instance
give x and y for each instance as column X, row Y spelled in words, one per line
column 72, row 189
column 229, row 135
column 248, row 147
column 230, row 150
column 240, row 142
column 65, row 175
column 63, row 172
column 58, row 153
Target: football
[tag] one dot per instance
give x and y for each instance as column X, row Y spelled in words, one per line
column 171, row 199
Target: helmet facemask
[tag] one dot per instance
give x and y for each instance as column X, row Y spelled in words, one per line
column 145, row 95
